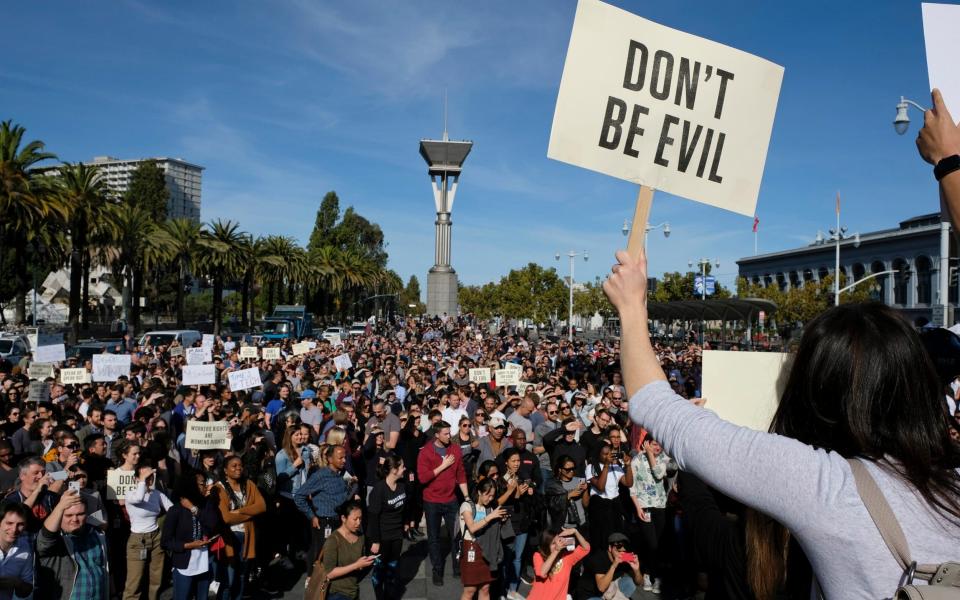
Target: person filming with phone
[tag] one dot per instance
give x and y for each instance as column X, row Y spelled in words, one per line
column 615, row 567
column 553, row 563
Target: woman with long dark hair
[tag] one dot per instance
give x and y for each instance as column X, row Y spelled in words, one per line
column 606, row 474
column 385, row 526
column 482, row 551
column 240, row 503
column 188, row 531
column 861, row 387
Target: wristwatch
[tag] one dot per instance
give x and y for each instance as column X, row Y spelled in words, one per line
column 946, row 166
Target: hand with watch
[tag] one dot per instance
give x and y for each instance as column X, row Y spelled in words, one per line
column 939, row 139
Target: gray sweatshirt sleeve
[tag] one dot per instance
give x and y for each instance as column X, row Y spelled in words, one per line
column 779, row 476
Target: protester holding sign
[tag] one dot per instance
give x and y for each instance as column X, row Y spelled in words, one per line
column 893, row 414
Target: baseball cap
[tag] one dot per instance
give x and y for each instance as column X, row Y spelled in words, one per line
column 617, row 538
column 308, row 394
column 496, row 422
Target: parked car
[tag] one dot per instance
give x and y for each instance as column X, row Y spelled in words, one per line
column 186, row 337
column 13, row 348
column 85, row 350
column 358, row 328
column 330, row 332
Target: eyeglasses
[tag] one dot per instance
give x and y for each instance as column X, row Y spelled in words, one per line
column 567, row 469
column 618, row 545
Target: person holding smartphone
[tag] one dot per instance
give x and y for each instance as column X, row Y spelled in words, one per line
column 144, row 505
column 553, row 562
column 188, row 532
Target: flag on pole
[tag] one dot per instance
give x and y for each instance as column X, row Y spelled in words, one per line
column 756, row 223
column 838, row 203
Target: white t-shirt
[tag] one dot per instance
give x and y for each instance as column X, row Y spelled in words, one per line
column 612, row 489
column 452, row 416
column 479, row 515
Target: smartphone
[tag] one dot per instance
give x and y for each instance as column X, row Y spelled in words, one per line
column 628, row 556
column 568, row 542
column 213, row 539
column 74, row 486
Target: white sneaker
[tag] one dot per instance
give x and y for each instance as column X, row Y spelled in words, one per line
column 647, row 585
column 514, row 595
column 656, row 586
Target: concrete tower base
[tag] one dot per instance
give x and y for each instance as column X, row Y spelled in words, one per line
column 442, row 293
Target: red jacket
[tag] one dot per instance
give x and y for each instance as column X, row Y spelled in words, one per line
column 442, row 487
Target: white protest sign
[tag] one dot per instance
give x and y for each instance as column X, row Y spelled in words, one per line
column 522, row 387
column 50, row 354
column 176, row 351
column 312, row 345
column 199, row 374
column 301, row 348
column 744, row 387
column 664, row 109
column 110, row 367
column 207, row 435
column 244, row 379
column 207, row 341
column 198, row 356
column 342, row 362
column 119, row 483
column 74, row 376
column 271, row 354
column 507, row 377
column 335, row 339
column 940, row 23
column 481, row 375
column 40, row 371
column 229, row 346
column 512, row 366
column 248, row 352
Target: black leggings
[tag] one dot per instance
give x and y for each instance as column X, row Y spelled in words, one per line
column 649, row 537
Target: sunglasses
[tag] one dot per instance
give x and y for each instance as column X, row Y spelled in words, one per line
column 464, row 424
column 551, row 412
column 618, row 545
column 72, row 446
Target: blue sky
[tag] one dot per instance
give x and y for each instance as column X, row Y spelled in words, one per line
column 284, row 101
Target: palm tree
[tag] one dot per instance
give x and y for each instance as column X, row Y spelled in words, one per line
column 135, row 229
column 25, row 202
column 285, row 248
column 221, row 255
column 183, row 237
column 256, row 260
column 81, row 188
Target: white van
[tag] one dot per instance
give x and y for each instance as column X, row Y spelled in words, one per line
column 186, row 337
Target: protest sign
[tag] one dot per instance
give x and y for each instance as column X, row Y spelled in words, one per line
column 74, row 376
column 271, row 354
column 119, row 483
column 311, row 345
column 40, row 371
column 199, row 374
column 176, row 351
column 248, row 352
column 481, row 375
column 199, row 356
column 50, row 354
column 512, row 366
column 110, row 367
column 207, row 341
column 244, row 379
column 744, row 387
column 335, row 339
column 229, row 346
column 507, row 377
column 940, row 23
column 342, row 362
column 39, row 391
column 522, row 387
column 207, row 435
column 664, row 109
column 301, row 348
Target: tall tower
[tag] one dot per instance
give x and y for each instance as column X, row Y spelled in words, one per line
column 444, row 164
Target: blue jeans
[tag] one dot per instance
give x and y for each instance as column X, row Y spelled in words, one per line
column 233, row 572
column 513, row 561
column 435, row 512
column 190, row 587
column 627, row 585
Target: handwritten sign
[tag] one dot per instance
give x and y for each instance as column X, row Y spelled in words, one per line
column 120, row 483
column 176, row 351
column 50, row 354
column 207, row 435
column 665, row 109
column 522, row 387
column 512, row 366
column 74, row 376
column 301, row 348
column 199, row 374
column 507, row 377
column 198, row 356
column 39, row 391
column 480, row 375
column 207, row 341
column 249, row 352
column 110, row 367
column 229, row 346
column 342, row 362
column 335, row 339
column 271, row 354
column 244, row 379
column 40, row 371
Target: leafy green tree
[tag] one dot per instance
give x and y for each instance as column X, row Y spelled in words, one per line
column 798, row 305
column 327, row 216
column 148, row 190
column 532, row 293
column 411, row 296
column 354, row 233
column 681, row 286
column 591, row 300
column 482, row 301
column 183, row 238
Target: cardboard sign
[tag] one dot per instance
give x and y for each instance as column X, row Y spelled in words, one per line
column 342, row 362
column 39, row 391
column 249, row 352
column 940, row 23
column 301, row 348
column 175, row 351
column 512, row 366
column 244, row 379
column 40, row 371
column 665, row 109
column 481, row 375
column 74, row 376
column 312, row 345
column 198, row 356
column 335, row 340
column 507, row 377
column 207, row 435
column 50, row 354
column 110, row 367
column 744, row 387
column 207, row 341
column 119, row 483
column 229, row 346
column 271, row 354
column 199, row 374
column 522, row 387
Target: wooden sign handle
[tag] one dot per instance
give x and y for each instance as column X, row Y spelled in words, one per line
column 638, row 231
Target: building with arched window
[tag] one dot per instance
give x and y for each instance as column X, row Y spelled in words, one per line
column 912, row 249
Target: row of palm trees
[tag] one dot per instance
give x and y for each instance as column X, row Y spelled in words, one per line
column 72, row 216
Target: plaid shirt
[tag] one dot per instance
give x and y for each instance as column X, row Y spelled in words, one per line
column 321, row 494
column 90, row 559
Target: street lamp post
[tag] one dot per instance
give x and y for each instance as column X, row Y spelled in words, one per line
column 627, row 224
column 900, row 124
column 572, row 255
column 838, row 235
column 703, row 263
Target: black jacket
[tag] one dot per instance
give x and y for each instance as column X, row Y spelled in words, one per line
column 178, row 530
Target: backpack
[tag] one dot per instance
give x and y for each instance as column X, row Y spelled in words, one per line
column 943, row 581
